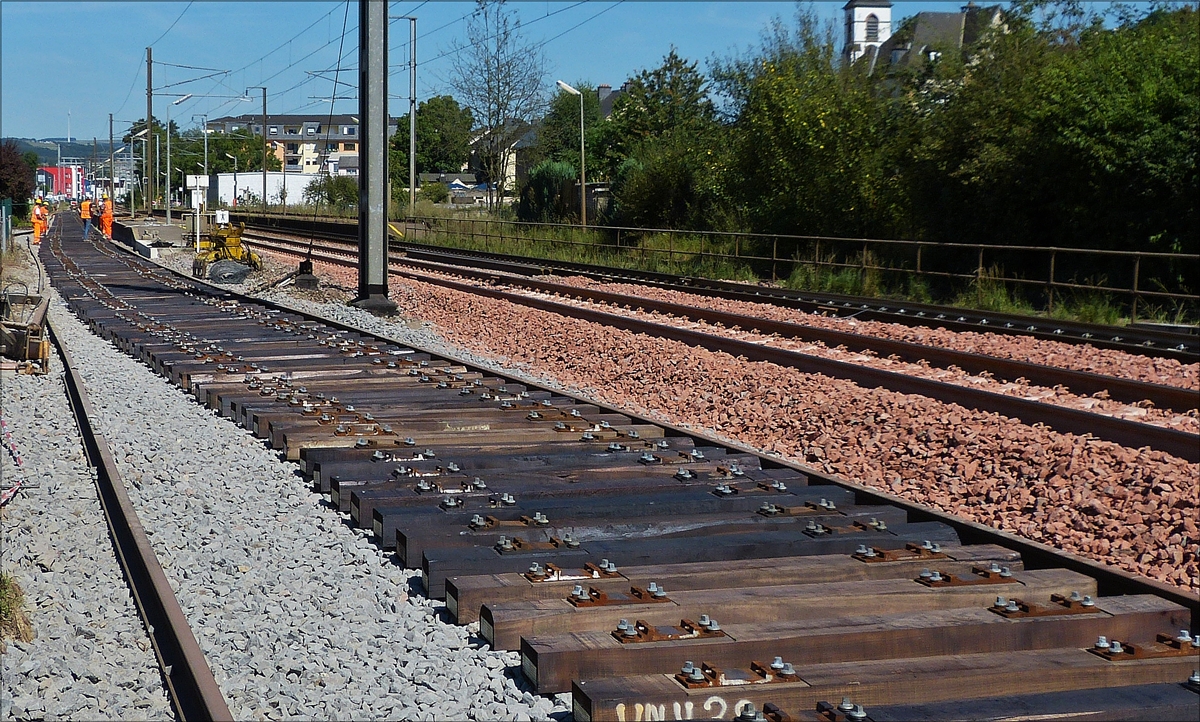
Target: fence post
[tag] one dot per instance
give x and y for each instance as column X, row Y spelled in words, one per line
column 1050, row 284
column 979, row 278
column 862, row 272
column 671, row 249
column 774, row 257
column 919, row 247
column 1137, row 267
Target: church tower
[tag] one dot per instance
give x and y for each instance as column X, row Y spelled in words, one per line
column 868, row 24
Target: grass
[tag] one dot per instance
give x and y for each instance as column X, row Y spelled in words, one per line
column 14, row 622
column 715, row 257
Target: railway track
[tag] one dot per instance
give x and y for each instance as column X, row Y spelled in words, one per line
column 1134, row 434
column 190, row 684
column 1140, row 341
column 650, row 570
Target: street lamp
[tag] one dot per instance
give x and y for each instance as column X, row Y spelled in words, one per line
column 168, row 193
column 234, row 159
column 133, row 139
column 582, row 171
column 205, row 117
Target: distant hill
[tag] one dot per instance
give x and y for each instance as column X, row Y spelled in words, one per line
column 47, row 149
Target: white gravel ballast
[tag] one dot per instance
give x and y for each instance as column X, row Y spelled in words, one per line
column 299, row 615
column 90, row 658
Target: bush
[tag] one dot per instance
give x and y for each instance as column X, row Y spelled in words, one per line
column 338, row 192
column 434, row 192
column 548, row 193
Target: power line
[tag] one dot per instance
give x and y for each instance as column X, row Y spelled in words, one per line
column 160, row 37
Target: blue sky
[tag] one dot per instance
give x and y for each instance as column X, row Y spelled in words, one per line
column 88, row 58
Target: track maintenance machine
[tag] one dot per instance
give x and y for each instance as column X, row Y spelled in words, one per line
column 222, row 257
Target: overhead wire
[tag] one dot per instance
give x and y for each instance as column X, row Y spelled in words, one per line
column 160, row 37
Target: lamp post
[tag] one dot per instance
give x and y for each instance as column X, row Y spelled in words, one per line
column 168, row 193
column 133, row 139
column 264, row 132
column 582, row 171
column 234, row 159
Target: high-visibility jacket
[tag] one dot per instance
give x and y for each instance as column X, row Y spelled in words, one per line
column 106, row 219
column 85, row 209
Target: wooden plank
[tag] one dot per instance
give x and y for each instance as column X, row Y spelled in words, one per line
column 466, row 594
column 438, row 564
column 544, row 453
column 451, row 436
column 542, row 484
column 505, row 623
column 412, row 541
column 552, row 661
column 1162, row 702
column 553, row 460
column 885, row 682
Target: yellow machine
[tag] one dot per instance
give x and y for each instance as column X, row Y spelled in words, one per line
column 223, row 257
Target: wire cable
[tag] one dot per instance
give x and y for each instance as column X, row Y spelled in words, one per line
column 160, row 37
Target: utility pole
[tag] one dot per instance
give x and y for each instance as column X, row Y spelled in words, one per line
column 112, row 164
column 153, row 184
column 265, row 143
column 372, row 174
column 412, row 118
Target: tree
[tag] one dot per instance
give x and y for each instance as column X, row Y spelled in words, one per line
column 499, row 76
column 558, row 133
column 811, row 138
column 663, row 149
column 673, row 96
column 16, row 177
column 338, row 192
column 443, row 139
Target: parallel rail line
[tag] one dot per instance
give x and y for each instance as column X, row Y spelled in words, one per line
column 1135, row 434
column 551, row 520
column 1141, row 341
column 193, row 690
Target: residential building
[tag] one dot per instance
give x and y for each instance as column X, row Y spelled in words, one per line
column 305, row 143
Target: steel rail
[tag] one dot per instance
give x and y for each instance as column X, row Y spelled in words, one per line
column 1133, row 434
column 1112, row 580
column 190, row 684
column 1146, row 342
column 1079, row 382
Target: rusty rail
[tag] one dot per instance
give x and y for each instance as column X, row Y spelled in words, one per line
column 194, row 692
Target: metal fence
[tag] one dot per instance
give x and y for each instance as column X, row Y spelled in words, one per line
column 1041, row 272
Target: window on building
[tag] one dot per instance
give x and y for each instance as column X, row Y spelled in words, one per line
column 291, row 131
column 350, row 130
column 293, row 147
column 312, row 130
column 330, row 147
column 872, row 28
column 349, row 146
column 273, row 130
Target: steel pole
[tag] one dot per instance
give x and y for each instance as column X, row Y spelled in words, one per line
column 112, row 163
column 150, row 125
column 582, row 172
column 264, row 132
column 372, row 174
column 412, row 120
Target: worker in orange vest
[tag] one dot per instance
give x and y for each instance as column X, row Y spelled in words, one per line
column 85, row 212
column 106, row 218
column 39, row 220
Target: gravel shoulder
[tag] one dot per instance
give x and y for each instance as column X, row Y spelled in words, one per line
column 298, row 614
column 91, row 657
